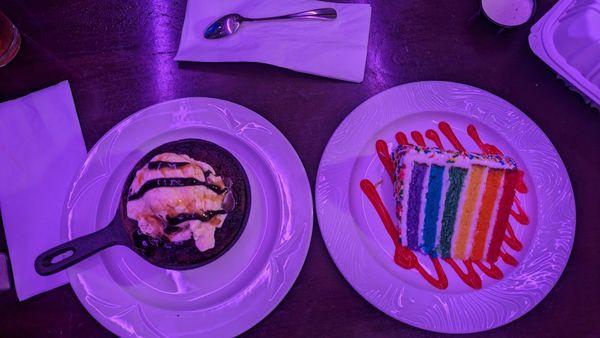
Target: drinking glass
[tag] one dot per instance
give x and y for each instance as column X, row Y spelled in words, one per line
column 10, row 40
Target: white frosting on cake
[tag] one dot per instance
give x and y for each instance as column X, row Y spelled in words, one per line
column 431, row 156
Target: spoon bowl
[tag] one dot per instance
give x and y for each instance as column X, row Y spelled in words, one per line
column 224, row 26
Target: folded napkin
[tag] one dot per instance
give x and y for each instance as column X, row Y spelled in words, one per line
column 41, row 148
column 332, row 48
column 4, row 280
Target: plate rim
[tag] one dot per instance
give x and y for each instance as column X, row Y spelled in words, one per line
column 304, row 234
column 435, row 85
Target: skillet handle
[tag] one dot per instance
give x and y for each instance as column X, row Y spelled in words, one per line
column 50, row 261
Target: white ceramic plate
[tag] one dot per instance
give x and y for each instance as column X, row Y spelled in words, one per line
column 129, row 296
column 363, row 251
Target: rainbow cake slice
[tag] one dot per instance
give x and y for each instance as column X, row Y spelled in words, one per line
column 453, row 204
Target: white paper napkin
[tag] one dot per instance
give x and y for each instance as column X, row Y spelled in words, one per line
column 336, row 48
column 41, row 148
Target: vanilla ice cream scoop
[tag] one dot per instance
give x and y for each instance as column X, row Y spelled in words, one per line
column 175, row 197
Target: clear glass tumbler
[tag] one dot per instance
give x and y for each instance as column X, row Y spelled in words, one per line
column 10, row 40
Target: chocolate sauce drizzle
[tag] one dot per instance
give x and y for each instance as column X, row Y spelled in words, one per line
column 206, row 216
column 203, row 217
column 174, row 182
column 154, row 165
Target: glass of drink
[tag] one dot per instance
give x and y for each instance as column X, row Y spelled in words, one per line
column 10, row 40
column 508, row 13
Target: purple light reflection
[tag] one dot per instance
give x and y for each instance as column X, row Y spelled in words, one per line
column 380, row 56
column 163, row 34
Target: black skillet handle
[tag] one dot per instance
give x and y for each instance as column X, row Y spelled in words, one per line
column 75, row 251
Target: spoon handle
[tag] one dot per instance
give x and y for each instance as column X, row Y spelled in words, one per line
column 76, row 250
column 320, row 13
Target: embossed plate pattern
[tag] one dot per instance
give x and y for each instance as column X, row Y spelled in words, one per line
column 228, row 296
column 362, row 250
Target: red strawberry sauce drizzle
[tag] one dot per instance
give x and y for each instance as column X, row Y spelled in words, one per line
column 418, row 138
column 406, row 258
column 384, row 156
column 519, row 215
column 447, row 131
column 403, row 256
column 401, row 138
column 511, row 240
column 432, row 135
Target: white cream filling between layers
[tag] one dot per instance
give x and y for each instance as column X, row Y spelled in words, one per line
column 405, row 191
column 476, row 211
column 423, row 203
column 462, row 160
column 445, row 185
column 459, row 210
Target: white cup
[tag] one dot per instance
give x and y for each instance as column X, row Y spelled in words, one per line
column 508, row 13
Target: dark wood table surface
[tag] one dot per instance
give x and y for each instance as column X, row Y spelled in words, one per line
column 118, row 57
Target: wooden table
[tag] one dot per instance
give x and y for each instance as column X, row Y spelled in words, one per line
column 118, row 57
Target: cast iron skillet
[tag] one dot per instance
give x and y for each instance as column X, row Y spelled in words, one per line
column 176, row 256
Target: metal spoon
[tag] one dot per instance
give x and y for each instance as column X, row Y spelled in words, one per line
column 230, row 23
